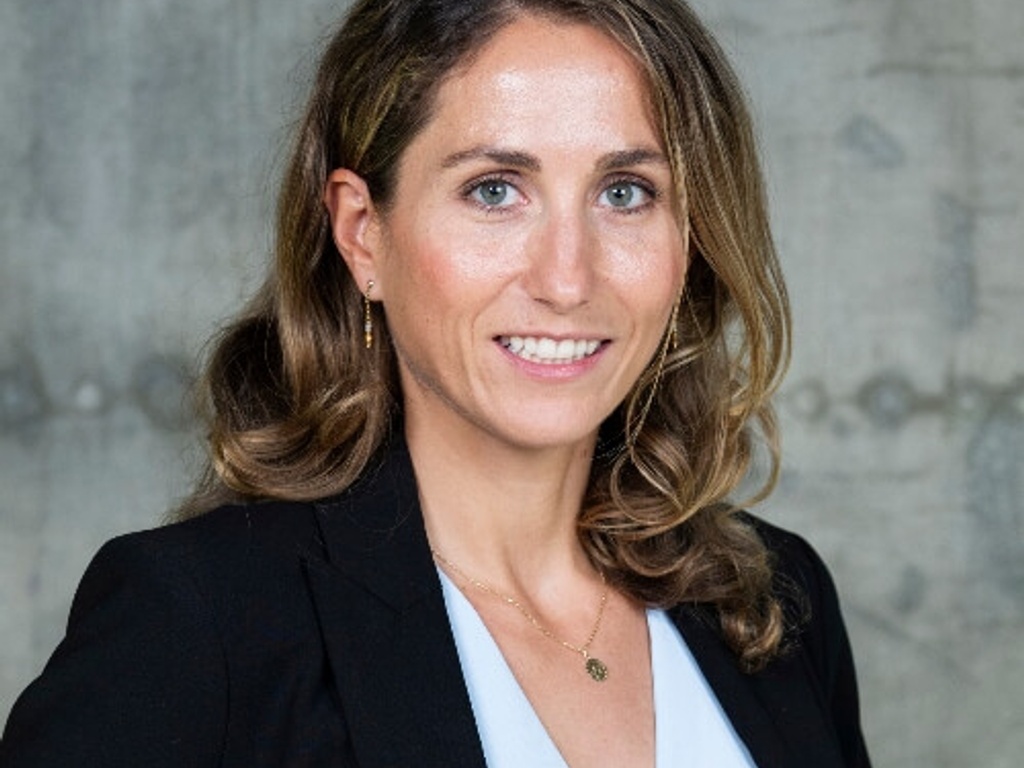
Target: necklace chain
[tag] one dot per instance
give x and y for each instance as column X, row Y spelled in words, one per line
column 596, row 668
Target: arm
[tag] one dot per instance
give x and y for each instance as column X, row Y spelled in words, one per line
column 828, row 647
column 140, row 678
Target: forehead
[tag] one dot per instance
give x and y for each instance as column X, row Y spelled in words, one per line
column 550, row 76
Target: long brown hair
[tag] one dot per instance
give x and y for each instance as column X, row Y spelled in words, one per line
column 298, row 406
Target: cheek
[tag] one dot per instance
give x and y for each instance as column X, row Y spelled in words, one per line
column 452, row 264
column 479, row 256
column 417, row 267
column 651, row 267
column 438, row 280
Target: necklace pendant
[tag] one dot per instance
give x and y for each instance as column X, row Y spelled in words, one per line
column 597, row 670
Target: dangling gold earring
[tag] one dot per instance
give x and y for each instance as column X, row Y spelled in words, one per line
column 673, row 331
column 670, row 343
column 367, row 317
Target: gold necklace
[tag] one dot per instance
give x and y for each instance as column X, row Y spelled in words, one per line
column 596, row 668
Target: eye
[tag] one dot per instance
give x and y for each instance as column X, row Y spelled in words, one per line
column 493, row 193
column 626, row 195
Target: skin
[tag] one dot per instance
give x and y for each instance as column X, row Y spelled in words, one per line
column 537, row 205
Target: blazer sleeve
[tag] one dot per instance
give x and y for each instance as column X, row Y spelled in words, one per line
column 827, row 646
column 140, row 678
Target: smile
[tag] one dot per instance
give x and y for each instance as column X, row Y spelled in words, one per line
column 540, row 349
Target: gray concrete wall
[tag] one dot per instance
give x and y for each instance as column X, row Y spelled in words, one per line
column 138, row 141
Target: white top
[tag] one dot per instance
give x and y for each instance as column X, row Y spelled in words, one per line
column 691, row 730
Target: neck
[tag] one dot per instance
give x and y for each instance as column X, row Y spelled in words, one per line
column 502, row 513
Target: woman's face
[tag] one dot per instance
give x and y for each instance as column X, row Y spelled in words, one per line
column 530, row 259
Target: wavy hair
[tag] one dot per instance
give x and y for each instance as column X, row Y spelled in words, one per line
column 297, row 407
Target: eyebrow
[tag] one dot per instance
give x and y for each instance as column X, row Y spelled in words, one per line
column 630, row 157
column 507, row 157
column 525, row 161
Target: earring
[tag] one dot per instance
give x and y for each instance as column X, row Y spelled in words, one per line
column 367, row 317
column 670, row 343
column 673, row 328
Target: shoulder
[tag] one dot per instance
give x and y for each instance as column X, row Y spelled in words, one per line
column 214, row 567
column 801, row 574
column 231, row 531
column 804, row 586
column 818, row 641
column 791, row 552
column 176, row 616
column 219, row 544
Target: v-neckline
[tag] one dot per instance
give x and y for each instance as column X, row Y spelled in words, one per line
column 512, row 732
column 507, row 721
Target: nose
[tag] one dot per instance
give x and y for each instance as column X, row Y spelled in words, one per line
column 561, row 266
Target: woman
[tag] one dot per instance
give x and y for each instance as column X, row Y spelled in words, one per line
column 472, row 444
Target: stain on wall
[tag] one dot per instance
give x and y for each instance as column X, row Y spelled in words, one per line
column 955, row 266
column 869, row 139
column 995, row 503
column 23, row 401
column 890, row 400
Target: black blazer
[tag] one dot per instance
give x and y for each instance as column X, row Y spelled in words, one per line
column 315, row 634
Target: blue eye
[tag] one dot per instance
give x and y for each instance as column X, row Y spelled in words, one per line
column 494, row 193
column 626, row 195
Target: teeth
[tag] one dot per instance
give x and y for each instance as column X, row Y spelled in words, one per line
column 547, row 350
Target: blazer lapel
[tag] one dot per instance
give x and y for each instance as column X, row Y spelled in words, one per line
column 773, row 711
column 394, row 661
column 386, row 629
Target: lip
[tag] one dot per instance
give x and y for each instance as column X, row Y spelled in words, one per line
column 550, row 355
column 551, row 350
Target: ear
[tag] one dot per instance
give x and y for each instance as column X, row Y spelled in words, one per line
column 354, row 226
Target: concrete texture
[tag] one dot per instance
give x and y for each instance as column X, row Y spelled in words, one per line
column 138, row 141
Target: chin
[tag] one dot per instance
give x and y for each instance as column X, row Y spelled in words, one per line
column 555, row 430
